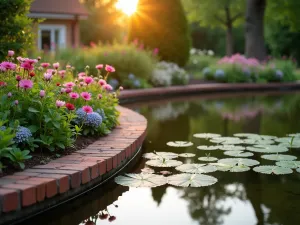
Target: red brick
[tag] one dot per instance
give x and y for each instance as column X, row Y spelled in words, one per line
column 51, row 185
column 102, row 167
column 40, row 188
column 63, row 181
column 28, row 192
column 26, row 173
column 16, row 177
column 9, row 200
column 109, row 164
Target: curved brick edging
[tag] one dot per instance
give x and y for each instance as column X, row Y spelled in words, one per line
column 151, row 93
column 44, row 186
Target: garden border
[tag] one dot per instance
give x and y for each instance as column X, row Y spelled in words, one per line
column 45, row 186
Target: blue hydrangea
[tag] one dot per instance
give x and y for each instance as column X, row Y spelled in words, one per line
column 131, row 76
column 3, row 128
column 22, row 135
column 136, row 83
column 219, row 74
column 114, row 83
column 206, row 71
column 92, row 119
column 80, row 115
column 102, row 114
column 279, row 74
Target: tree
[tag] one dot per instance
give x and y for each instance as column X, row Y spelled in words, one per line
column 15, row 27
column 255, row 44
column 163, row 25
column 215, row 13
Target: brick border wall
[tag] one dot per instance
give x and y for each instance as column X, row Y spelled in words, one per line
column 43, row 186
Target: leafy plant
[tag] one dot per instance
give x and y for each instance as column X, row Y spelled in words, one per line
column 18, row 156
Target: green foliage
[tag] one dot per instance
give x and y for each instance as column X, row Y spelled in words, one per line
column 15, row 26
column 18, row 156
column 162, row 25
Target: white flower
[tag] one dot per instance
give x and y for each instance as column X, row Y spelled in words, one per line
column 210, row 53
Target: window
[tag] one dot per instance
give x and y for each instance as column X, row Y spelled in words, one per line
column 51, row 37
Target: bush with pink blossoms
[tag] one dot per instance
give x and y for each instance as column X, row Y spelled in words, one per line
column 44, row 99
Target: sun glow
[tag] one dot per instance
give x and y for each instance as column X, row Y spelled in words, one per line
column 127, row 6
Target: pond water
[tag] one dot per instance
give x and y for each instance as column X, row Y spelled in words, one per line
column 244, row 198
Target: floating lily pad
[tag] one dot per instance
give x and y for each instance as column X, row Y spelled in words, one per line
column 248, row 135
column 160, row 155
column 249, row 141
column 238, row 153
column 264, row 142
column 294, row 135
column 288, row 145
column 289, row 164
column 191, row 180
column 206, row 135
column 268, row 137
column 239, row 161
column 147, row 170
column 208, row 148
column 141, row 180
column 196, row 168
column 298, row 170
column 267, row 148
column 163, row 163
column 232, row 148
column 279, row 157
column 208, row 159
column 284, row 139
column 179, row 144
column 278, row 170
column 231, row 168
column 223, row 139
column 187, row 155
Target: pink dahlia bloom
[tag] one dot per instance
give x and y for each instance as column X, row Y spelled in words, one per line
column 62, row 73
column 109, row 69
column 16, row 102
column 10, row 53
column 88, row 80
column 27, row 66
column 45, row 65
column 99, row 67
column 60, row 104
column 26, row 84
column 30, row 61
column 56, row 65
column 63, row 90
column 42, row 93
column 8, row 65
column 9, row 94
column 69, row 84
column 86, row 96
column 87, row 109
column 107, row 87
column 20, row 59
column 102, row 82
column 74, row 95
column 48, row 76
column 69, row 90
column 81, row 75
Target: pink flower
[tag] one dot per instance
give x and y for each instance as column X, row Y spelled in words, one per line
column 81, row 75
column 74, row 95
column 9, row 94
column 60, row 103
column 56, row 65
column 155, row 51
column 69, row 85
column 62, row 73
column 99, row 66
column 68, row 66
column 99, row 96
column 63, row 90
column 42, row 93
column 121, row 88
column 2, row 68
column 107, row 87
column 86, row 96
column 3, row 84
column 87, row 109
column 27, row 66
column 48, row 76
column 102, row 82
column 30, row 61
column 45, row 65
column 88, row 80
column 18, row 78
column 69, row 90
column 20, row 59
column 16, row 102
column 26, row 84
column 10, row 53
column 39, row 58
column 8, row 65
column 109, row 69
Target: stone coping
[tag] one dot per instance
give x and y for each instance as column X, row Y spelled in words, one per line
column 151, row 93
column 43, row 186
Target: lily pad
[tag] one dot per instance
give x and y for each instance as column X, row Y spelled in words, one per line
column 239, row 161
column 231, row 168
column 208, row 148
column 288, row 145
column 264, row 142
column 294, row 135
column 141, row 180
column 223, row 139
column 278, row 170
column 208, row 159
column 147, row 170
column 268, row 137
column 232, row 148
column 267, row 148
column 206, row 135
column 238, row 153
column 163, row 163
column 191, row 180
column 160, row 155
column 284, row 139
column 187, row 155
column 196, row 168
column 289, row 164
column 279, row 157
column 248, row 135
column 249, row 141
column 298, row 170
column 179, row 144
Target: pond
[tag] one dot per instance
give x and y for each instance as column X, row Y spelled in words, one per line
column 248, row 198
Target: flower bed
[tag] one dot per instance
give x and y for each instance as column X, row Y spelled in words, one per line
column 46, row 108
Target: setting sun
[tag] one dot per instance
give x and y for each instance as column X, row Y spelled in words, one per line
column 127, row 6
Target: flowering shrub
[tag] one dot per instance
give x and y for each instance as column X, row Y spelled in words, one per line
column 167, row 74
column 238, row 68
column 48, row 107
